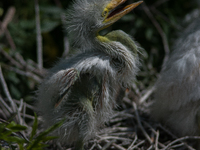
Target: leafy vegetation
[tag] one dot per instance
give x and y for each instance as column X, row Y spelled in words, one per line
column 11, row 135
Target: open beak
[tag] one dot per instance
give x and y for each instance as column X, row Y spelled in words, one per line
column 116, row 12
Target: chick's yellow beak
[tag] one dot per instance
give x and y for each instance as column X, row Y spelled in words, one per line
column 112, row 13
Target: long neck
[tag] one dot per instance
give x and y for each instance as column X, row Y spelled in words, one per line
column 119, row 46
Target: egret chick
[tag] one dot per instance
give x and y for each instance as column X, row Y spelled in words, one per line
column 81, row 90
column 177, row 95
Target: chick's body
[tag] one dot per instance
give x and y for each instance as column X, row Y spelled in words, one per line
column 177, row 95
column 82, row 90
column 81, row 95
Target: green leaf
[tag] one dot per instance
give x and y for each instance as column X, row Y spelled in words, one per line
column 14, row 139
column 5, row 134
column 42, row 135
column 49, row 138
column 15, row 127
column 2, row 127
column 18, row 128
column 34, row 128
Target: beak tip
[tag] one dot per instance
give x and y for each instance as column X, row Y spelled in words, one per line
column 140, row 2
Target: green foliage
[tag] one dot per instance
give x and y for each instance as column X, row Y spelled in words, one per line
column 11, row 134
column 8, row 133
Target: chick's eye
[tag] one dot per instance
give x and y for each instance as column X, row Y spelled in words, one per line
column 104, row 13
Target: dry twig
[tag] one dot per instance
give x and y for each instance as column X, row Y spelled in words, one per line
column 160, row 31
column 181, row 139
column 39, row 36
column 5, row 88
column 140, row 124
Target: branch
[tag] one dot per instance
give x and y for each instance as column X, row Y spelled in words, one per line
column 160, row 31
column 7, row 19
column 146, row 95
column 140, row 124
column 6, row 105
column 65, row 39
column 181, row 139
column 3, row 28
column 23, row 73
column 13, row 105
column 39, row 36
column 22, row 64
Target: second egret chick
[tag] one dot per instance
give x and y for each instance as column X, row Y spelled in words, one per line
column 177, row 95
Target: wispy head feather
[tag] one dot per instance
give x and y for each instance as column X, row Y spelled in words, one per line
column 83, row 19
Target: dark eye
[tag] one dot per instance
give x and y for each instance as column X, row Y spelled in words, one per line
column 104, row 13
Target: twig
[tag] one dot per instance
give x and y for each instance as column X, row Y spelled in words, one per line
column 167, row 131
column 21, row 121
column 39, row 36
column 129, row 148
column 93, row 146
column 140, row 143
column 179, row 145
column 156, row 142
column 13, row 61
column 6, row 105
column 7, row 19
column 29, row 116
column 27, row 105
column 27, row 74
column 113, row 137
column 65, row 39
column 140, row 124
column 99, row 146
column 153, row 130
column 150, row 147
column 24, row 110
column 10, row 39
column 4, row 121
column 118, row 146
column 156, row 11
column 120, row 133
column 160, row 31
column 174, row 136
column 13, row 105
column 108, row 144
column 21, row 63
column 4, row 113
column 146, row 95
column 181, row 139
